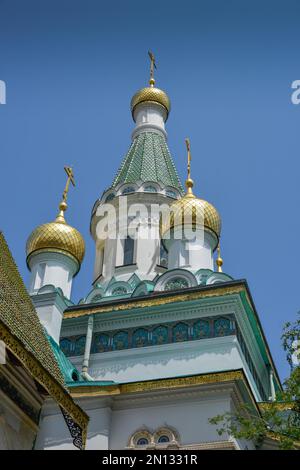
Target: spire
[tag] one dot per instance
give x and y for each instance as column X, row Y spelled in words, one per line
column 149, row 158
column 189, row 183
column 63, row 204
column 219, row 261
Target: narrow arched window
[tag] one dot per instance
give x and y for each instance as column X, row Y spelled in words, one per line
column 128, row 250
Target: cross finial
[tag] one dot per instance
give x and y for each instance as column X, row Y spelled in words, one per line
column 70, row 174
column 189, row 182
column 63, row 205
column 152, row 67
column 189, row 157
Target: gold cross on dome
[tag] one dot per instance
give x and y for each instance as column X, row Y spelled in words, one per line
column 70, row 174
column 188, row 147
column 152, row 67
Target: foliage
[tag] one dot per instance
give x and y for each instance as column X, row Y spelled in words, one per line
column 279, row 419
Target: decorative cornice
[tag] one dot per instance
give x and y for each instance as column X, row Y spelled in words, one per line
column 153, row 301
column 280, row 406
column 181, row 382
column 158, row 384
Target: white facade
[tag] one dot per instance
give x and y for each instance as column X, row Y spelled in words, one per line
column 115, row 420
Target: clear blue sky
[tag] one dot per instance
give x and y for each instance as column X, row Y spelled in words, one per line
column 71, row 68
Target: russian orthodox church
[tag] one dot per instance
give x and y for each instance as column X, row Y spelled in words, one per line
column 164, row 340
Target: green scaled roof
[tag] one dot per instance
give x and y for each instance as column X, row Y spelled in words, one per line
column 68, row 370
column 148, row 159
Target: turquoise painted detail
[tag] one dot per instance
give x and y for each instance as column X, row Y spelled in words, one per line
column 120, row 340
column 155, row 335
column 180, row 332
column 201, row 329
column 160, row 335
column 94, row 383
column 80, row 345
column 140, row 338
column 70, row 372
column 148, row 159
column 222, row 327
column 119, row 291
column 176, row 283
column 100, row 343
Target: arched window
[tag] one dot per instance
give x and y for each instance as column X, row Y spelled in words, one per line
column 176, row 283
column 159, row 439
column 119, row 291
column 150, row 189
column 163, row 439
column 109, row 197
column 142, row 442
column 163, row 256
column 129, row 189
column 171, row 193
column 128, row 250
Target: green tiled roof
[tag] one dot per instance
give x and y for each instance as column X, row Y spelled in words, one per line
column 68, row 370
column 23, row 334
column 148, row 159
column 18, row 314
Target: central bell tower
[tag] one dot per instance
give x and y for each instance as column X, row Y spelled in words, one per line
column 146, row 177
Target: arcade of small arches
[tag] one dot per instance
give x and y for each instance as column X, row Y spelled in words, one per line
column 161, row 438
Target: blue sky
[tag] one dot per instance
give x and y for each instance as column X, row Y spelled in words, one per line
column 71, row 68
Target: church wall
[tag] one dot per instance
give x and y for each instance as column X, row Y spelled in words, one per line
column 16, row 433
column 169, row 360
column 114, row 420
column 188, row 417
column 53, row 432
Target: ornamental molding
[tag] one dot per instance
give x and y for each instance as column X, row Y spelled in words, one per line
column 156, row 301
column 178, row 312
column 201, row 394
column 116, row 320
column 205, row 384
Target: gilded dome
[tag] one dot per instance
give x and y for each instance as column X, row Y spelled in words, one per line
column 56, row 236
column 151, row 94
column 191, row 208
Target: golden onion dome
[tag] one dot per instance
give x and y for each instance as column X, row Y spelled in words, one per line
column 151, row 94
column 192, row 209
column 57, row 236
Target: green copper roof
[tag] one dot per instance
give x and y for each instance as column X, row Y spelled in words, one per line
column 148, row 159
column 68, row 370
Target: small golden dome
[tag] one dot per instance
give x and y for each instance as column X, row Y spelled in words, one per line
column 57, row 236
column 151, row 94
column 190, row 208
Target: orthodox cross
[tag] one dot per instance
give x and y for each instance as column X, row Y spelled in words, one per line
column 188, row 147
column 152, row 67
column 70, row 175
